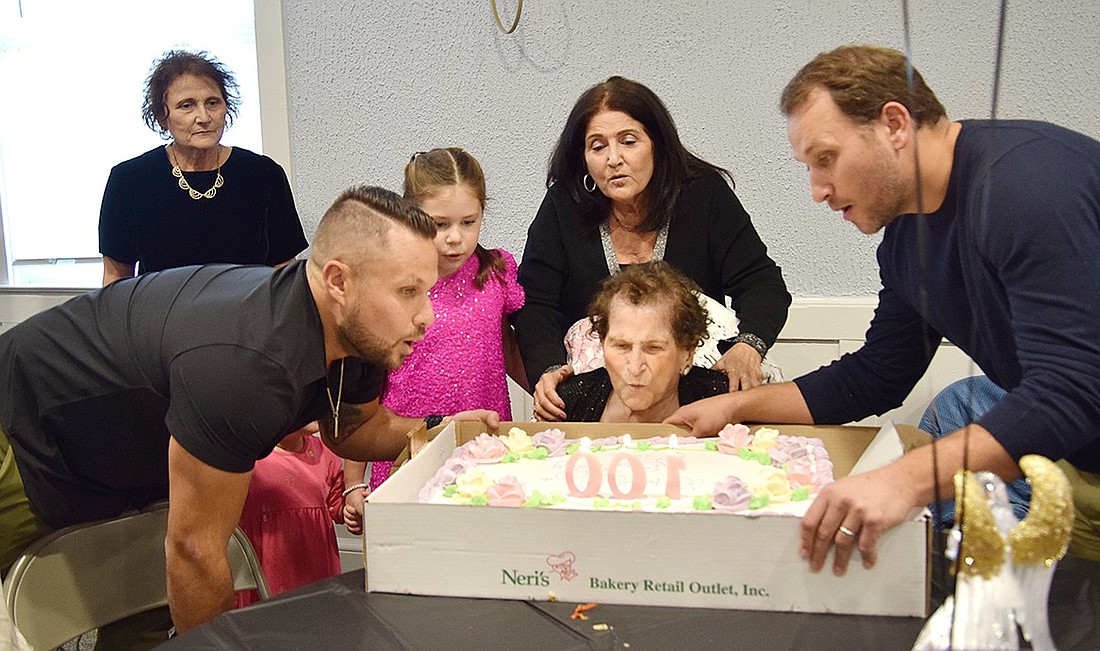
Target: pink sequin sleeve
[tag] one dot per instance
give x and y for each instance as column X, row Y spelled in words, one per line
column 514, row 297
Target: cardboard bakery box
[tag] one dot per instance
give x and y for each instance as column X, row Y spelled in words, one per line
column 658, row 559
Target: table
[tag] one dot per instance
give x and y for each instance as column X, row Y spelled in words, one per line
column 338, row 614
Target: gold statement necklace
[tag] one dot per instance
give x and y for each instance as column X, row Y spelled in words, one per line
column 193, row 193
column 335, row 406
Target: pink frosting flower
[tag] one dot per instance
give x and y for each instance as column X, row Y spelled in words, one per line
column 734, row 437
column 799, row 479
column 730, row 495
column 508, row 491
column 485, row 449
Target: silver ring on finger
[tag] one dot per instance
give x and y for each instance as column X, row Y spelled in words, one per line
column 846, row 531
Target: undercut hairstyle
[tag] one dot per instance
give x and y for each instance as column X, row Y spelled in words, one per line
column 360, row 221
column 673, row 164
column 654, row 284
column 861, row 79
column 171, row 66
column 429, row 172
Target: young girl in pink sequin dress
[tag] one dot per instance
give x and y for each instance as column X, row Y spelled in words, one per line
column 460, row 364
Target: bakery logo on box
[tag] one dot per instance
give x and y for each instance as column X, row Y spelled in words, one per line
column 560, row 564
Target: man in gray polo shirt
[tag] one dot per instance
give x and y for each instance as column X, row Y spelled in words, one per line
column 177, row 382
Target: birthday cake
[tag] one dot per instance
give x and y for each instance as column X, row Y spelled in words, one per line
column 739, row 471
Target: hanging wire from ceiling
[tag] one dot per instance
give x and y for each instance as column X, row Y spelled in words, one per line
column 921, row 243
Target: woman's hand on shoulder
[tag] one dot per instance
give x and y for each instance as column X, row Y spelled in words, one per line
column 741, row 364
column 548, row 404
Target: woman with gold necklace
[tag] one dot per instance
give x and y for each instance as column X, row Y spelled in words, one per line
column 195, row 201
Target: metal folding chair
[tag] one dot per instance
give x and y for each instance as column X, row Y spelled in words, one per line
column 79, row 578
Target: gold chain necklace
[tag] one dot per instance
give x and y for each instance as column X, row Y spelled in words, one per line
column 335, row 406
column 184, row 185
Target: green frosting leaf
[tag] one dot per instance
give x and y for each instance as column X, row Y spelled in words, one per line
column 644, row 445
column 663, row 502
column 480, row 500
column 537, row 453
column 711, row 445
column 597, row 448
column 800, row 494
column 600, row 502
column 755, row 455
column 511, row 457
column 449, row 490
column 702, row 503
column 537, row 499
column 572, row 448
column 759, row 501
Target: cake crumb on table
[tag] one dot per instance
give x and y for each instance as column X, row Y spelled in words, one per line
column 601, row 627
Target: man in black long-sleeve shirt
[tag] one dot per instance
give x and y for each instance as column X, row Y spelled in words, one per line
column 992, row 241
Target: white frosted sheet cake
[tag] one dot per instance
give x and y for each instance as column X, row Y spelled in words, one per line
column 736, row 472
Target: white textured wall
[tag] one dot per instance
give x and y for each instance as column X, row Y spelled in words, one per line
column 371, row 82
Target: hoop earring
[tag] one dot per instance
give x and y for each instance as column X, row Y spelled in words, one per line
column 584, row 181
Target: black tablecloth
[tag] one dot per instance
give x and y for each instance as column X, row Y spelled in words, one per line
column 338, row 614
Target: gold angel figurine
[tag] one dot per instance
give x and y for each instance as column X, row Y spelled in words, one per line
column 1004, row 567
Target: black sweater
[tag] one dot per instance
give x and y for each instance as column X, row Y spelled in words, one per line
column 711, row 240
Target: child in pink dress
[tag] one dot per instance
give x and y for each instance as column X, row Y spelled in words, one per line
column 460, row 363
column 293, row 499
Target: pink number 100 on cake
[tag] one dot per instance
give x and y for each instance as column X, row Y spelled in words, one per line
column 674, row 464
